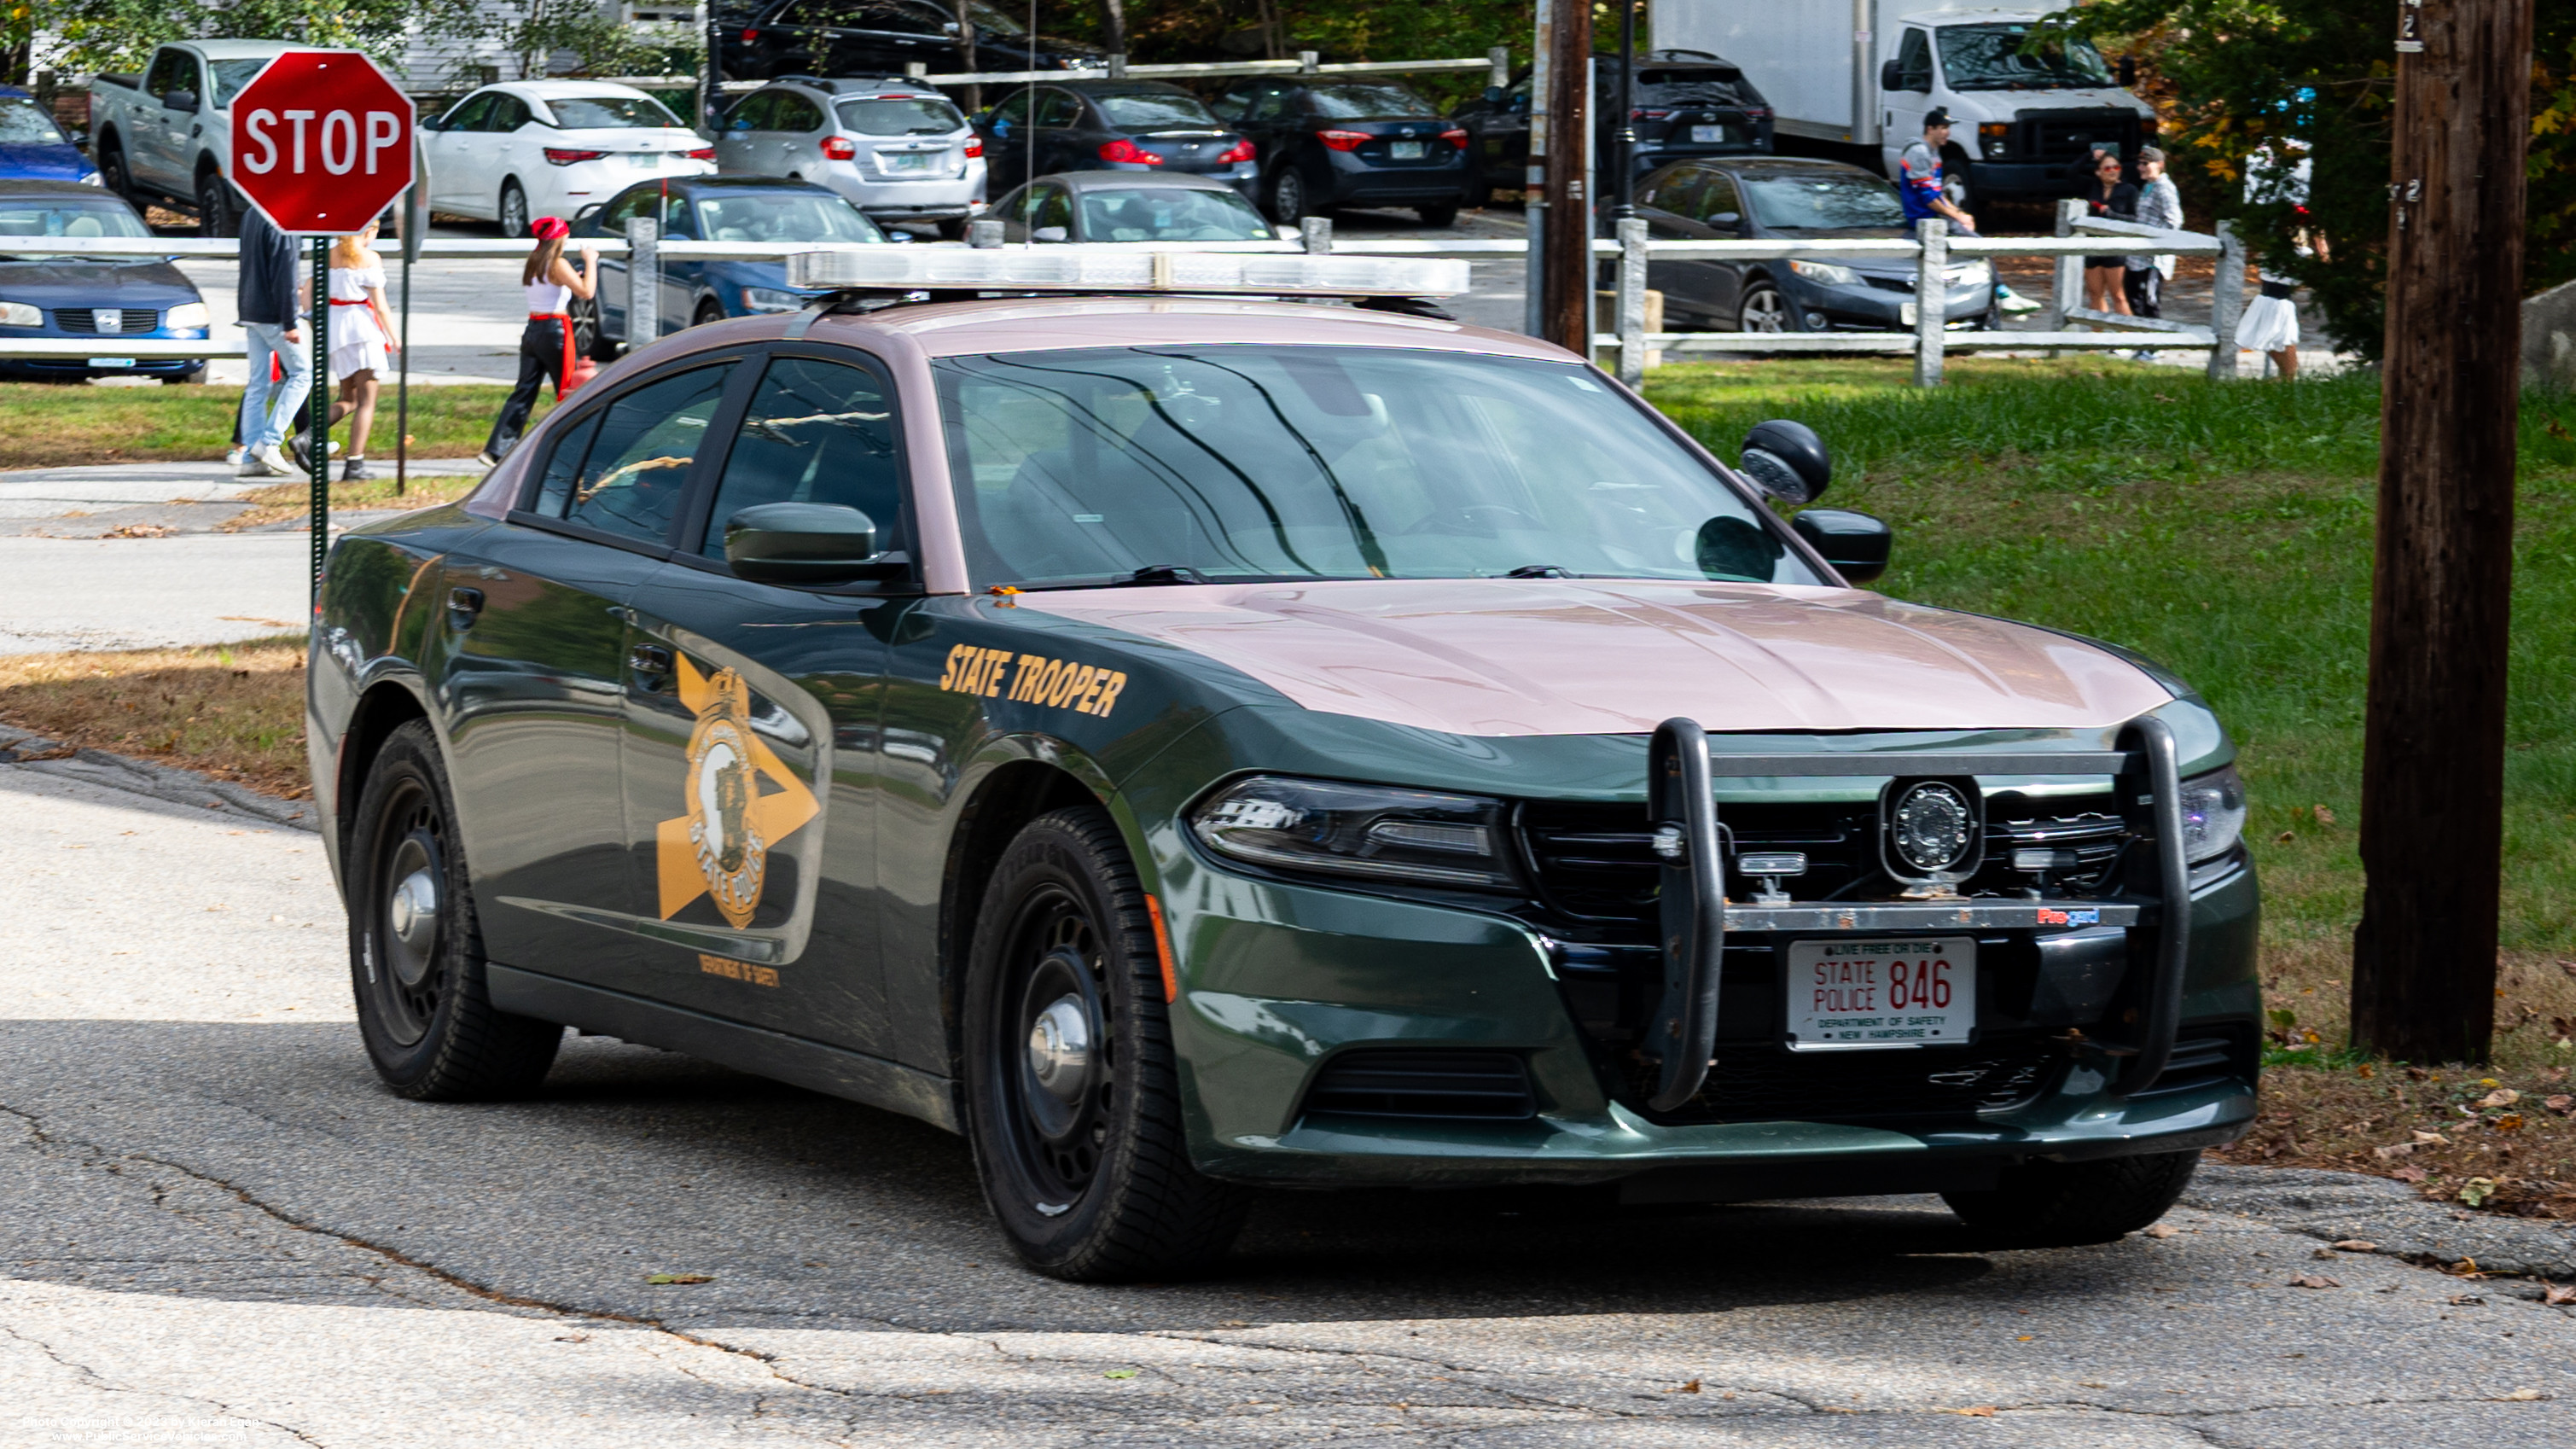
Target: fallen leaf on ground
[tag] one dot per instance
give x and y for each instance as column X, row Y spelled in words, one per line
column 2410, row 1174
column 1119, row 1374
column 2465, row 1300
column 2556, row 1294
column 2562, row 1104
column 2393, row 1151
column 2327, row 1253
column 2356, row 1245
column 2477, row 1190
column 2311, row 1280
column 2524, row 1396
column 1981, row 1411
column 1689, row 1388
column 676, row 1278
column 2324, row 815
column 2500, row 1097
column 2164, row 1230
column 2430, row 1139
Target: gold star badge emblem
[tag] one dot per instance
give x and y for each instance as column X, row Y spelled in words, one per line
column 742, row 800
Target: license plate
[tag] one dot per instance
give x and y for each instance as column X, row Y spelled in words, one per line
column 1405, row 150
column 1708, row 135
column 1852, row 995
column 908, row 161
column 111, row 362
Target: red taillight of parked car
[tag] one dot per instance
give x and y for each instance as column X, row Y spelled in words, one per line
column 749, row 36
column 1455, row 138
column 840, row 148
column 566, row 156
column 974, row 147
column 1343, row 140
column 703, row 153
column 1240, row 151
column 1128, row 151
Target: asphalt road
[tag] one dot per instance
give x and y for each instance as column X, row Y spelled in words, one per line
column 226, row 1233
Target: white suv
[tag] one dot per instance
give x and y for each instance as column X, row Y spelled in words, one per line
column 895, row 147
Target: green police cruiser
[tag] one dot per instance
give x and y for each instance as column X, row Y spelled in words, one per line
column 1185, row 740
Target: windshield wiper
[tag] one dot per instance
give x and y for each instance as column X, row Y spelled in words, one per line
column 1539, row 571
column 1165, row 574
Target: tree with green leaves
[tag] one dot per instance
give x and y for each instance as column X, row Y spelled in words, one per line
column 2239, row 77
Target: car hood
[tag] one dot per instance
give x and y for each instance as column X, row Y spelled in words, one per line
column 42, row 161
column 1579, row 656
column 84, row 281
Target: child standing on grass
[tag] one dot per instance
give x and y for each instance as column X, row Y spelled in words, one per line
column 362, row 334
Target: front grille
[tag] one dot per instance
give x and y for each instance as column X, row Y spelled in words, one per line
column 1596, row 863
column 1408, row 1082
column 83, row 319
column 2066, row 135
column 1767, row 1085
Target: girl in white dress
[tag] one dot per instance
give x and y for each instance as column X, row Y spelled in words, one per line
column 2270, row 322
column 362, row 334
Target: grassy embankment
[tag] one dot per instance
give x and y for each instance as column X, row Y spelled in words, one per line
column 2227, row 531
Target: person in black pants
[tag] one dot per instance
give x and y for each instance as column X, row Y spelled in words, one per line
column 545, row 348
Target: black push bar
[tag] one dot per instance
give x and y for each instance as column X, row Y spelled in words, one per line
column 1681, row 799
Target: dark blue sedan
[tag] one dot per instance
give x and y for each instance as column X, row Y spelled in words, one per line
column 102, row 301
column 711, row 208
column 33, row 147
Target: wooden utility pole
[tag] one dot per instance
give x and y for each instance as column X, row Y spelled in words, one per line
column 1566, row 268
column 2432, row 788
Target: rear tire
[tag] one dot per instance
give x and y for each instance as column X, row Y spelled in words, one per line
column 2067, row 1204
column 415, row 948
column 513, row 210
column 1289, row 203
column 113, row 176
column 708, row 311
column 1073, row 1096
column 587, row 338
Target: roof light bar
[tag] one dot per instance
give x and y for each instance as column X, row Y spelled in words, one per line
column 1125, row 269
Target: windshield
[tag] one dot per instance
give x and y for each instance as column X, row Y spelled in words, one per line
column 1989, row 58
column 23, row 121
column 27, row 216
column 1144, row 110
column 1824, row 203
column 231, row 76
column 784, row 216
column 995, row 21
column 609, row 113
column 1245, row 462
column 1168, row 213
column 900, row 116
column 1343, row 103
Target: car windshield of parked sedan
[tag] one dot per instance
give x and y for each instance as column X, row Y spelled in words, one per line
column 1101, row 466
column 1823, row 203
column 1170, row 213
column 23, row 122
column 1990, row 58
column 899, row 115
column 784, row 216
column 1149, row 110
column 1355, row 102
column 610, row 113
column 50, row 216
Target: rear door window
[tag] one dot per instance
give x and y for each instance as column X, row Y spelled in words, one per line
column 796, row 113
column 637, row 466
column 1718, row 206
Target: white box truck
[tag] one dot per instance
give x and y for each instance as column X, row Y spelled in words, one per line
column 1858, row 75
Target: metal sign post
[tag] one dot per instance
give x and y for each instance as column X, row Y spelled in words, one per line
column 317, row 433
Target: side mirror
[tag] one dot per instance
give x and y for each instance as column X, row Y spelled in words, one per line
column 1494, row 95
column 1890, row 76
column 1048, row 234
column 802, row 543
column 1787, row 460
column 2128, row 72
column 1855, row 544
column 179, row 100
column 586, row 213
column 1726, row 218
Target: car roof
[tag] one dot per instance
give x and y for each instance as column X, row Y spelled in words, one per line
column 238, row 49
column 564, row 90
column 1045, row 324
column 1133, row 180
column 854, row 85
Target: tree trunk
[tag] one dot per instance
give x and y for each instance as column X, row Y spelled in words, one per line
column 2432, row 793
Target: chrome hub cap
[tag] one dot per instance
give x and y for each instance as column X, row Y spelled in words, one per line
column 413, row 912
column 1060, row 1049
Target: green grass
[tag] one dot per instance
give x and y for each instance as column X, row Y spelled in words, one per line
column 2224, row 529
column 55, row 425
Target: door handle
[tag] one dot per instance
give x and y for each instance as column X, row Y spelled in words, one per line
column 651, row 664
column 463, row 607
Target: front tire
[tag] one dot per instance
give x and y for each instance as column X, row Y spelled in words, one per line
column 2067, row 1204
column 708, row 311
column 1443, row 215
column 513, row 210
column 415, row 948
column 215, row 216
column 1762, row 309
column 1073, row 1098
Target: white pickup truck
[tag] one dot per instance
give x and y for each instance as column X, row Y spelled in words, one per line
column 162, row 136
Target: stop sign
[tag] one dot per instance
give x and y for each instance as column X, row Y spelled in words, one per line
column 321, row 141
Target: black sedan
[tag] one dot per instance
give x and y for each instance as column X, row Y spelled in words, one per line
column 102, row 302
column 1687, row 103
column 1140, row 126
column 1330, row 144
column 881, row 37
column 1786, row 198
column 1122, row 206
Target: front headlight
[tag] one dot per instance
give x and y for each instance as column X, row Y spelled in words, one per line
column 771, row 299
column 1826, row 272
column 1970, row 274
column 92, row 178
column 188, row 314
column 2213, row 813
column 19, row 314
column 1373, row 831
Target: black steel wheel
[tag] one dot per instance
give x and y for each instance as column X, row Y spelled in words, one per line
column 1073, row 1099
column 2067, row 1204
column 415, row 951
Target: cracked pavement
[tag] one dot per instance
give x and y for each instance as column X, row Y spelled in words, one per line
column 225, row 1233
